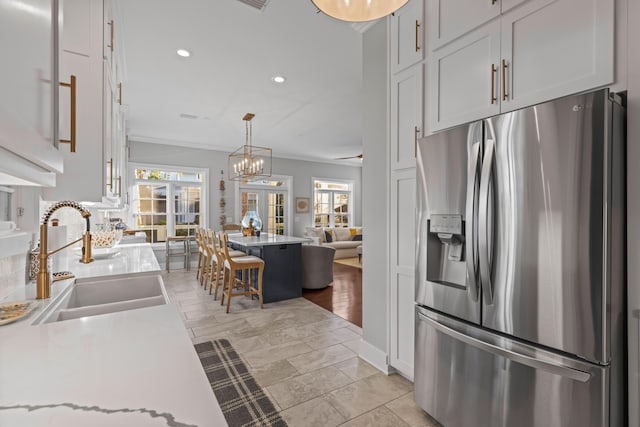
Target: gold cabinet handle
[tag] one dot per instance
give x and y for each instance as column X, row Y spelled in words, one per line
column 72, row 137
column 505, row 95
column 417, row 35
column 110, row 183
column 416, row 132
column 111, row 24
column 493, row 84
column 120, row 93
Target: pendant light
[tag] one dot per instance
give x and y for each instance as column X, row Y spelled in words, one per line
column 249, row 162
column 358, row 10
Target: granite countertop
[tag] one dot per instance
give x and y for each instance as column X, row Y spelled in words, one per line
column 266, row 239
column 136, row 367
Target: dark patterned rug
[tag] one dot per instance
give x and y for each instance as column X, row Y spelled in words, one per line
column 242, row 400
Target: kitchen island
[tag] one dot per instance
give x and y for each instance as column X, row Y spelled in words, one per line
column 282, row 255
column 135, row 367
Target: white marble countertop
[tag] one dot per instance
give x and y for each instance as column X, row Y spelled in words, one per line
column 136, row 367
column 266, row 239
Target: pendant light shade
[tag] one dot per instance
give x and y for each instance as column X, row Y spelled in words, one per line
column 358, row 10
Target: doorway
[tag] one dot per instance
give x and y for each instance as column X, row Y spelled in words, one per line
column 271, row 199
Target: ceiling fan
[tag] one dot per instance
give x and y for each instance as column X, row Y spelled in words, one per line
column 359, row 156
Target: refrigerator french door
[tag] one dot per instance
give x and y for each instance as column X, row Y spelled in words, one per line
column 520, row 252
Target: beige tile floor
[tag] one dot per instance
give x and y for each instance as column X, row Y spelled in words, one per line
column 304, row 357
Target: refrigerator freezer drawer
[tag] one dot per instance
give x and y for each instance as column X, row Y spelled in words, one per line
column 468, row 377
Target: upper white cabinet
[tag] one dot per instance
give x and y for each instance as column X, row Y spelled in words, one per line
column 575, row 52
column 407, row 36
column 95, row 125
column 27, row 33
column 450, row 19
column 463, row 79
column 406, row 116
column 80, row 102
column 537, row 51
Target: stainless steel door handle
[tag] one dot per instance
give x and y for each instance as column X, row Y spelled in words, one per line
column 532, row 362
column 471, row 253
column 484, row 227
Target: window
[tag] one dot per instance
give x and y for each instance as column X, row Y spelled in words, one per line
column 167, row 201
column 6, row 196
column 332, row 204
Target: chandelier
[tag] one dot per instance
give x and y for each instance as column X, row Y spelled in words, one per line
column 249, row 162
column 358, row 10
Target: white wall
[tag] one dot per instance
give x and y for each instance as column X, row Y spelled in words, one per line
column 375, row 196
column 301, row 171
column 633, row 206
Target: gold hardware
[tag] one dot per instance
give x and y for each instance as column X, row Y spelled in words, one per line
column 493, row 85
column 111, row 24
column 72, row 138
column 417, row 36
column 110, row 183
column 505, row 95
column 494, row 2
column 416, row 131
column 120, row 93
column 43, row 280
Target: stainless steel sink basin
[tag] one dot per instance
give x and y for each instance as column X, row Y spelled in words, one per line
column 91, row 297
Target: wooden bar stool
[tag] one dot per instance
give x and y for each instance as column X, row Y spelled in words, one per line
column 201, row 251
column 233, row 286
column 218, row 276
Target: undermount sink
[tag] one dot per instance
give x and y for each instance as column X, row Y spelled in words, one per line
column 91, row 297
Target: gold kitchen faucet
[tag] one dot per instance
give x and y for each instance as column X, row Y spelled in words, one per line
column 43, row 280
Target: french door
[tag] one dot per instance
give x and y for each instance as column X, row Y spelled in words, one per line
column 272, row 205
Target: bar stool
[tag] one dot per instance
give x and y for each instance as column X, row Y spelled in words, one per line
column 236, row 286
column 201, row 251
column 217, row 277
column 184, row 253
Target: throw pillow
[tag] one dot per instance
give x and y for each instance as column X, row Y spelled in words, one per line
column 357, row 238
column 353, row 232
column 328, row 236
column 341, row 234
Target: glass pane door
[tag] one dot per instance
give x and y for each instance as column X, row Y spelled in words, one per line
column 270, row 206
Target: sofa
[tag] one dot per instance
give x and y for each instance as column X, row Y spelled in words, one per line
column 343, row 240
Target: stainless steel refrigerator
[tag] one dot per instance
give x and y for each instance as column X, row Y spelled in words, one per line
column 520, row 285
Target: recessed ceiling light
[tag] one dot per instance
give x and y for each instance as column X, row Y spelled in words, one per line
column 183, row 53
column 279, row 79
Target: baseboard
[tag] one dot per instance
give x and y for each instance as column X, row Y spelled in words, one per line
column 375, row 357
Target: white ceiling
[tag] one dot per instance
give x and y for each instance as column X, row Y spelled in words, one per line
column 235, row 51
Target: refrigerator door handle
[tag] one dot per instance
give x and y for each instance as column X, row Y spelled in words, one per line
column 484, row 228
column 565, row 371
column 471, row 250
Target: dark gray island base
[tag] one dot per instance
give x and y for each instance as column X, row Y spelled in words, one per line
column 282, row 255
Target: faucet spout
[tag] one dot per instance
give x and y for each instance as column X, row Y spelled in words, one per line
column 43, row 280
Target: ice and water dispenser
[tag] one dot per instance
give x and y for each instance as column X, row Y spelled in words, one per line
column 446, row 262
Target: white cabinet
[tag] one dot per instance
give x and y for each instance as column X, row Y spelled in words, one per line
column 407, row 36
column 406, row 116
column 450, row 19
column 28, row 90
column 537, row 51
column 402, row 259
column 575, row 52
column 81, row 57
column 95, row 165
column 463, row 79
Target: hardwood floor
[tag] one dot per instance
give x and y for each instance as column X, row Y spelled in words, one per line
column 344, row 297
